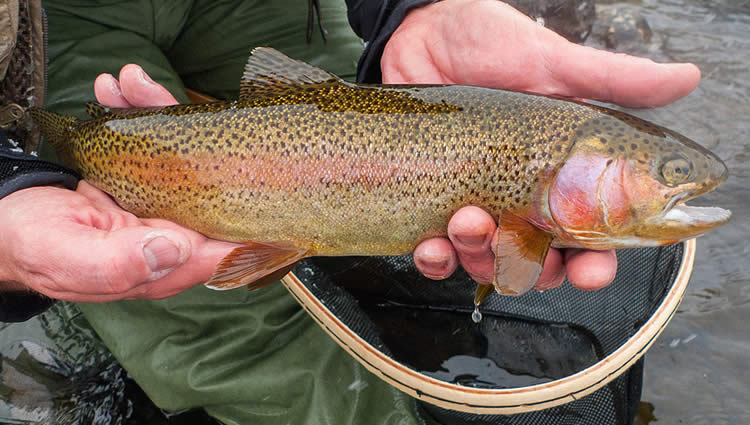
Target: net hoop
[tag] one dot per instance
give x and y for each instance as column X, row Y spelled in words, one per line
column 508, row 400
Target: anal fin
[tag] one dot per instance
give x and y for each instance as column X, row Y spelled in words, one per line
column 519, row 255
column 255, row 264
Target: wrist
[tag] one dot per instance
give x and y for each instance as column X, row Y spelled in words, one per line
column 12, row 208
column 8, row 280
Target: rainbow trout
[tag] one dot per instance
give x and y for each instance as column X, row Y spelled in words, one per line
column 306, row 164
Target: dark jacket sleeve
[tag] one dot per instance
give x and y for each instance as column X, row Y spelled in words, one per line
column 19, row 171
column 375, row 21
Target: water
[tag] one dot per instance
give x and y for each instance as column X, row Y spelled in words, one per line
column 697, row 372
column 54, row 370
column 497, row 351
column 476, row 315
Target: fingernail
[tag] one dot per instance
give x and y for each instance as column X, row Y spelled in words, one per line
column 143, row 76
column 162, row 254
column 436, row 268
column 437, row 276
column 113, row 86
column 435, row 263
column 472, row 240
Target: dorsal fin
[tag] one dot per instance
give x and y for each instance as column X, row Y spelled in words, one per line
column 96, row 110
column 270, row 72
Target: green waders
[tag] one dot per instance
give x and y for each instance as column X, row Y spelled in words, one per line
column 245, row 357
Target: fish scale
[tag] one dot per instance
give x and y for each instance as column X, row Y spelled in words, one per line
column 305, row 164
column 270, row 151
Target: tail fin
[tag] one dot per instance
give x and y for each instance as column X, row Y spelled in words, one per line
column 56, row 129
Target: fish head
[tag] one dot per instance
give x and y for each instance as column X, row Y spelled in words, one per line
column 625, row 181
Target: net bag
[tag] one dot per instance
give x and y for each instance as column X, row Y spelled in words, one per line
column 554, row 357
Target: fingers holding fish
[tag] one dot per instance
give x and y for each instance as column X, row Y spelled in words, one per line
column 553, row 273
column 102, row 258
column 472, row 234
column 205, row 253
column 140, row 90
column 459, row 42
column 134, row 88
column 590, row 270
column 471, row 230
column 108, row 253
column 625, row 80
column 108, row 91
column 435, row 258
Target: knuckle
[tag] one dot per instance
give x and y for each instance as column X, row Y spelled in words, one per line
column 143, row 291
column 122, row 273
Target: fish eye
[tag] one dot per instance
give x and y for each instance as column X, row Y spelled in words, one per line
column 676, row 171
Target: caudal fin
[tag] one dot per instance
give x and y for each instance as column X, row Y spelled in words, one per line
column 56, row 130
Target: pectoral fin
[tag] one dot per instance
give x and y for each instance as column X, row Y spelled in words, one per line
column 519, row 255
column 254, row 264
column 482, row 292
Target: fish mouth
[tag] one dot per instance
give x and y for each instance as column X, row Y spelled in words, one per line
column 688, row 215
column 679, row 221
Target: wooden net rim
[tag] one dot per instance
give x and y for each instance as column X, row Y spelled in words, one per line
column 508, row 400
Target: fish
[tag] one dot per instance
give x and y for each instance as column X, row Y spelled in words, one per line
column 306, row 164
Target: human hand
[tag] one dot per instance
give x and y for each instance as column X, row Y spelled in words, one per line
column 80, row 246
column 488, row 43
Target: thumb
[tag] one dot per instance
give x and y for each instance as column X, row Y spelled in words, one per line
column 140, row 90
column 127, row 257
column 585, row 72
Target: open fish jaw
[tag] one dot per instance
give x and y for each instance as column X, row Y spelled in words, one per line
column 687, row 215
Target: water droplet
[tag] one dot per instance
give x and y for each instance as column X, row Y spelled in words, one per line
column 476, row 316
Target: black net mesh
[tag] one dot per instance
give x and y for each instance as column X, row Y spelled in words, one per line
column 520, row 341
